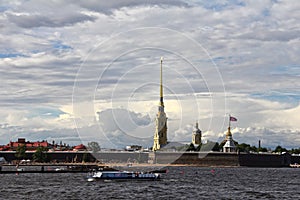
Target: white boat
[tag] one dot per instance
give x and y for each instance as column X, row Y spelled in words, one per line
column 122, row 175
column 296, row 165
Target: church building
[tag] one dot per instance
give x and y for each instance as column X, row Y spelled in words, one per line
column 160, row 135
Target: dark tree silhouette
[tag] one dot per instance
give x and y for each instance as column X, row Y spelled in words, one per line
column 94, row 147
column 21, row 152
column 40, row 155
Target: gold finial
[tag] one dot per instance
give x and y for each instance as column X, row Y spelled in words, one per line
column 228, row 132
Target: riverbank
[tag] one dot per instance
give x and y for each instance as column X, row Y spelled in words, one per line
column 160, row 159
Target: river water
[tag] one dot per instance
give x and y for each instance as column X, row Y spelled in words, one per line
column 177, row 183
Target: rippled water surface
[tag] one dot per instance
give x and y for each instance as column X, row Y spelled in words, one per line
column 178, row 183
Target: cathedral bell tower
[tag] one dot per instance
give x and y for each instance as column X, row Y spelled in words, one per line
column 196, row 137
column 160, row 135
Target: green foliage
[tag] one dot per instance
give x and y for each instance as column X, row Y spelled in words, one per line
column 94, row 147
column 210, row 146
column 247, row 148
column 243, row 147
column 262, row 149
column 182, row 148
column 191, row 147
column 295, row 151
column 198, row 147
column 40, row 155
column 21, row 152
column 253, row 149
column 280, row 149
column 85, row 157
column 216, row 147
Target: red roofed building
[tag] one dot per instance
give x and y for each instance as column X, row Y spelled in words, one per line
column 4, row 148
column 30, row 146
column 80, row 147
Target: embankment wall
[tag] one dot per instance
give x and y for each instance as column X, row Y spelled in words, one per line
column 182, row 158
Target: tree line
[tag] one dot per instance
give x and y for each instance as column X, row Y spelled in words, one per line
column 40, row 155
column 243, row 147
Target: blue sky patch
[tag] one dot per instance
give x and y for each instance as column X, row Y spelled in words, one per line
column 10, row 55
column 219, row 5
column 290, row 70
column 60, row 45
column 45, row 113
column 277, row 96
column 3, row 8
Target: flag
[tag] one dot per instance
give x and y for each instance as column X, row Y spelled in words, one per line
column 233, row 119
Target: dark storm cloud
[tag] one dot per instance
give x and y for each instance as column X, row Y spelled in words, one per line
column 108, row 6
column 269, row 35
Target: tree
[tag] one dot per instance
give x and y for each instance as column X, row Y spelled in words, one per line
column 198, row 147
column 295, row 151
column 21, row 152
column 253, row 149
column 216, row 147
column 40, row 155
column 191, row 147
column 94, row 147
column 280, row 149
column 243, row 147
column 262, row 149
column 210, row 146
column 85, row 157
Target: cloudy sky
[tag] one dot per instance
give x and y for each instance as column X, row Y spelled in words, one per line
column 80, row 71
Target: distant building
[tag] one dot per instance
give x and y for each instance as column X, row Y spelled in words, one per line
column 133, row 148
column 80, row 147
column 30, row 146
column 196, row 136
column 160, row 135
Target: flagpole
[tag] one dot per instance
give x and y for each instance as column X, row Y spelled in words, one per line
column 229, row 121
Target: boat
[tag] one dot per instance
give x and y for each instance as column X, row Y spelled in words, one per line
column 295, row 165
column 20, row 169
column 122, row 175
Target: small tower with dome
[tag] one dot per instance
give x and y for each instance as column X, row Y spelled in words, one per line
column 229, row 145
column 197, row 134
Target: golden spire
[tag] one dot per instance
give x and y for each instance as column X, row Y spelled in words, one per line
column 228, row 132
column 161, row 85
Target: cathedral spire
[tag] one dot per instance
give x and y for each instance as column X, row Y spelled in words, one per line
column 160, row 135
column 161, row 85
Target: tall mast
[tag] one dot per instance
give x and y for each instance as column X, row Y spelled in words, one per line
column 161, row 85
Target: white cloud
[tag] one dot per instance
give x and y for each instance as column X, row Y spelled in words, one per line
column 268, row 137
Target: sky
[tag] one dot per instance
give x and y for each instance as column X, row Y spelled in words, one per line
column 81, row 71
